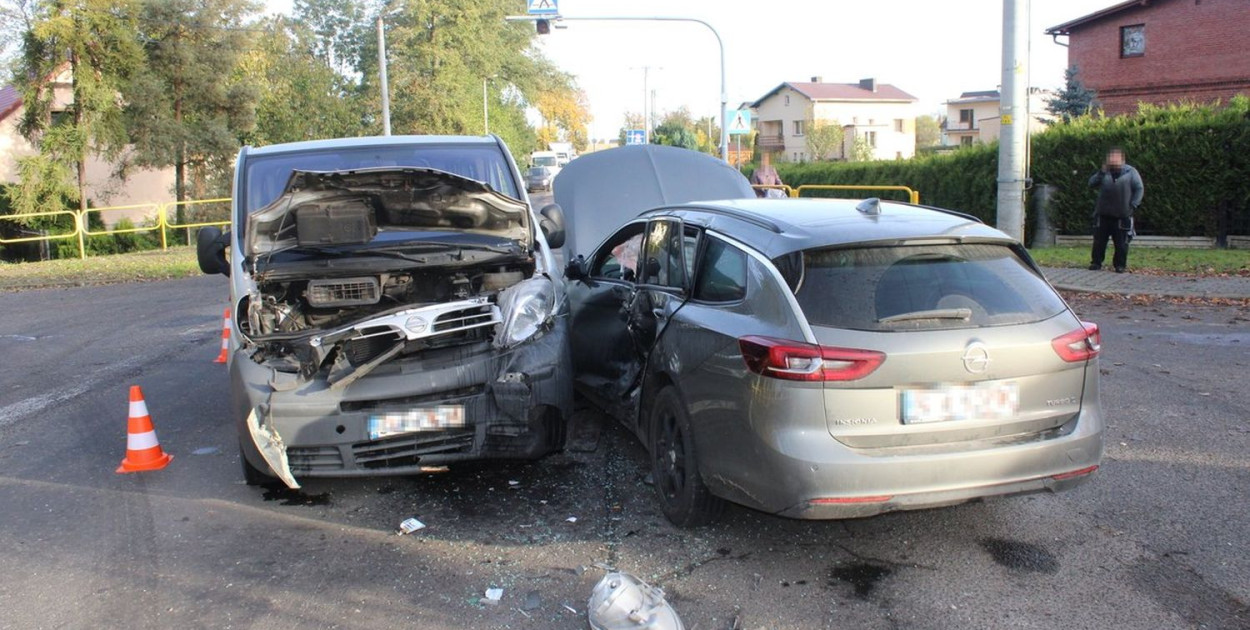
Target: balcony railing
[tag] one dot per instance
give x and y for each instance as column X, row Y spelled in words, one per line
column 772, row 142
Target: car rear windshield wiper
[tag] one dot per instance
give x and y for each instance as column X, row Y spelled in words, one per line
column 940, row 313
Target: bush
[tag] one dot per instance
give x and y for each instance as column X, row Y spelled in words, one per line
column 1194, row 160
column 955, row 180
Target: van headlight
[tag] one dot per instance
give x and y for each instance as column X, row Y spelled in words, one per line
column 526, row 309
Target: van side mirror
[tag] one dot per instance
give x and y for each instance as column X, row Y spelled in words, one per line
column 210, row 250
column 551, row 222
column 576, row 269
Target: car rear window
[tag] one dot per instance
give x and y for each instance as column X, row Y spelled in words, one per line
column 922, row 287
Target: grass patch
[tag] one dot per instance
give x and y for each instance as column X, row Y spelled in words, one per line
column 1198, row 262
column 176, row 262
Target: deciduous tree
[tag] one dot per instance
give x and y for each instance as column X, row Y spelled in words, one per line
column 823, row 138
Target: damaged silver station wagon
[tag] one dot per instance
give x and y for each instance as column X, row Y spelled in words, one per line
column 818, row 358
column 394, row 308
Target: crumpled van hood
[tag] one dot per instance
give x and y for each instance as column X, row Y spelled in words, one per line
column 336, row 208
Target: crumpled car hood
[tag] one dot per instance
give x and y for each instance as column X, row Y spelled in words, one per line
column 352, row 206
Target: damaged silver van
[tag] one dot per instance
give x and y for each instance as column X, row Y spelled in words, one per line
column 394, row 307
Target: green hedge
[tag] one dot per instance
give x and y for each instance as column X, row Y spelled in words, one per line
column 954, row 180
column 1194, row 160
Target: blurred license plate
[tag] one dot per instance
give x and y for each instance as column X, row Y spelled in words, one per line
column 990, row 401
column 414, row 420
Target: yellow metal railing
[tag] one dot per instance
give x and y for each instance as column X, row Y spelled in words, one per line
column 81, row 224
column 912, row 195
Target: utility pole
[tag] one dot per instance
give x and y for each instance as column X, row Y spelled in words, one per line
column 646, row 111
column 386, row 92
column 1015, row 119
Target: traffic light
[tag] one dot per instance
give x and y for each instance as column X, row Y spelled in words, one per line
column 544, row 27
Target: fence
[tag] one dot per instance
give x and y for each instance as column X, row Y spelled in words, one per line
column 913, row 196
column 81, row 220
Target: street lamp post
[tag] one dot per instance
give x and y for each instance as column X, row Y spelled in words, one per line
column 724, row 93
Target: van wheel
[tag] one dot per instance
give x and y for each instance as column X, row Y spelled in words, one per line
column 252, row 475
column 675, row 465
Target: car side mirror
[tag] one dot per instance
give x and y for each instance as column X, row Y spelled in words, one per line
column 210, row 250
column 576, row 269
column 552, row 225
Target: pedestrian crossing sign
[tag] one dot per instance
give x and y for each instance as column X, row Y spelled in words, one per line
column 739, row 121
column 542, row 7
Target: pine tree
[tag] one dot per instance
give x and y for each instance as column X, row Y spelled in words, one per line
column 1074, row 100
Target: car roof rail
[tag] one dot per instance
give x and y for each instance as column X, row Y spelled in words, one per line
column 743, row 215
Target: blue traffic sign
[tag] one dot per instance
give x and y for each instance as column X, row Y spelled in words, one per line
column 739, row 121
column 635, row 136
column 542, row 7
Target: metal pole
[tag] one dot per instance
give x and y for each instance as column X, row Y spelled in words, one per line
column 386, row 92
column 724, row 93
column 485, row 111
column 1015, row 123
column 646, row 113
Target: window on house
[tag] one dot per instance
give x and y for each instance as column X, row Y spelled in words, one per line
column 899, row 125
column 1133, row 40
column 966, row 116
column 871, row 136
column 965, row 141
column 787, row 100
column 798, row 127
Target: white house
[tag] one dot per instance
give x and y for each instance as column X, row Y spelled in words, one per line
column 974, row 117
column 883, row 115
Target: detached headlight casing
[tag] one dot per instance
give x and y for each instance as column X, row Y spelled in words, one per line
column 527, row 307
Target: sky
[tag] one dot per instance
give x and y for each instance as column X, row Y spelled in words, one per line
column 931, row 49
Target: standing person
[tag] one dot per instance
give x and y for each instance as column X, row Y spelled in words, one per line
column 1119, row 193
column 766, row 175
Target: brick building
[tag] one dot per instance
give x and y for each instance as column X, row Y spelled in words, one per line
column 1161, row 51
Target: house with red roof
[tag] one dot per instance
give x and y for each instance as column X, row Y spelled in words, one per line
column 881, row 115
column 1160, row 51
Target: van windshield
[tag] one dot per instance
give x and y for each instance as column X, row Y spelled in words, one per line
column 265, row 176
column 545, row 160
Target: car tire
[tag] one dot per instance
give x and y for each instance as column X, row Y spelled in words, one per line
column 252, row 475
column 685, row 500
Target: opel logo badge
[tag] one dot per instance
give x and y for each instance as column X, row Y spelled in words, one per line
column 976, row 358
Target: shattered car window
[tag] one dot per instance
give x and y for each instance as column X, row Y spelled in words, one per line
column 619, row 259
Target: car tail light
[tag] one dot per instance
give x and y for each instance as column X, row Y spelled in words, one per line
column 798, row 361
column 1081, row 344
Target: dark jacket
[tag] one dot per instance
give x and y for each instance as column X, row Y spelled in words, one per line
column 1118, row 195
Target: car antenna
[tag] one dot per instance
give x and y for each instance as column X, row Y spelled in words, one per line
column 871, row 205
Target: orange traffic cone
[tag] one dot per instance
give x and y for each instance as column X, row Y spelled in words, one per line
column 225, row 338
column 143, row 451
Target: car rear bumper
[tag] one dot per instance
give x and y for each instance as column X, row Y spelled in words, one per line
column 516, row 405
column 820, row 478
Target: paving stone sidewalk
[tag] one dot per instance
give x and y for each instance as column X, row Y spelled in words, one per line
column 1107, row 281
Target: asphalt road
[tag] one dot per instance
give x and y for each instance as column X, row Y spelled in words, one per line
column 1157, row 539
